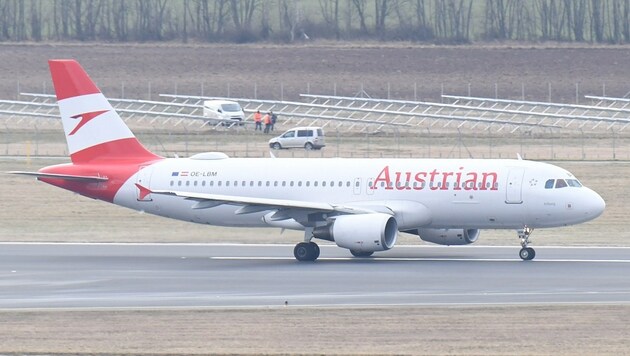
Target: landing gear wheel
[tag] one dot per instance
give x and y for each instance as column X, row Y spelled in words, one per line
column 361, row 253
column 315, row 249
column 306, row 251
column 527, row 253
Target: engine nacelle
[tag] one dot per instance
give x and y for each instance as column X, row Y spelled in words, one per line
column 449, row 236
column 362, row 233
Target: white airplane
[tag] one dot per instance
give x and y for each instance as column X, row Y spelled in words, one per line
column 360, row 204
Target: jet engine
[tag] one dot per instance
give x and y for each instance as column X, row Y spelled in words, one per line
column 449, row 236
column 361, row 233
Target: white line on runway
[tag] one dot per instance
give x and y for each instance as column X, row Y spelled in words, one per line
column 209, row 244
column 429, row 259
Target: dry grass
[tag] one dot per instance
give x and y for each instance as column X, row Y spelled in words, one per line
column 501, row 330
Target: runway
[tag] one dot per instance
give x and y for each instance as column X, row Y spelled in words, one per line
column 36, row 276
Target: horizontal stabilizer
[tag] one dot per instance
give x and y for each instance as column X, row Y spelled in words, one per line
column 71, row 177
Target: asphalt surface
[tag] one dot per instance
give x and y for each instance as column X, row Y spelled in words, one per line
column 218, row 275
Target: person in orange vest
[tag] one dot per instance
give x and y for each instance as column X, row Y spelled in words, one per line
column 267, row 122
column 257, row 120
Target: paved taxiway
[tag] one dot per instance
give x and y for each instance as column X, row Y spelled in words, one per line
column 209, row 275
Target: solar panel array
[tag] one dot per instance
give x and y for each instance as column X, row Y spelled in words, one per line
column 456, row 113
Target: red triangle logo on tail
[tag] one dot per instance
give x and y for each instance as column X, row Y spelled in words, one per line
column 85, row 118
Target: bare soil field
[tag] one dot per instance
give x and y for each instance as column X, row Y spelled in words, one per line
column 275, row 72
column 32, row 211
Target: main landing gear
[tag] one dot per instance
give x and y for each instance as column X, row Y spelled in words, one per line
column 526, row 253
column 307, row 250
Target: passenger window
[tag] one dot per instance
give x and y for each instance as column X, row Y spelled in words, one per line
column 227, row 183
column 260, row 183
column 291, row 183
column 172, row 183
column 560, row 183
column 211, row 183
column 315, row 183
column 308, row 183
column 275, row 183
column 348, row 184
column 179, row 183
column 267, row 183
column 187, row 183
column 203, row 183
column 195, row 183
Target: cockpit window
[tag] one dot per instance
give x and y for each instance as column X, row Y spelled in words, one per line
column 574, row 183
column 549, row 183
column 561, row 183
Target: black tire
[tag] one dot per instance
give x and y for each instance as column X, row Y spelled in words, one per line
column 276, row 146
column 304, row 251
column 315, row 248
column 532, row 253
column 527, row 254
column 308, row 146
column 361, row 253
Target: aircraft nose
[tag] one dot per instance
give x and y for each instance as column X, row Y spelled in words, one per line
column 596, row 204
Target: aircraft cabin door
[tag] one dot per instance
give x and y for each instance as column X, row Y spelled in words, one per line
column 513, row 189
column 143, row 179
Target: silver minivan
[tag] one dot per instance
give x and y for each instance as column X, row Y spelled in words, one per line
column 309, row 138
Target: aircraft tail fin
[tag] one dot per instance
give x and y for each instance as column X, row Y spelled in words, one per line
column 93, row 129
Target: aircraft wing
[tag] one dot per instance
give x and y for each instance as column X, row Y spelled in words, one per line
column 71, row 177
column 252, row 204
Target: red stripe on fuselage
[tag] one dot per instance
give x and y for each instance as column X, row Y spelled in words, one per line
column 116, row 160
column 117, row 174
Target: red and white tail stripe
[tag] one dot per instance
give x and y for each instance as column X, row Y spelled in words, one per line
column 93, row 129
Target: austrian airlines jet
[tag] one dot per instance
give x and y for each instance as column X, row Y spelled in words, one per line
column 360, row 204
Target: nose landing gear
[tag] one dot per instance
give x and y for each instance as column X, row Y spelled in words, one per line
column 526, row 253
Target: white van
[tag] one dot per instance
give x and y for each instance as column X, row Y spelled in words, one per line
column 309, row 138
column 223, row 110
